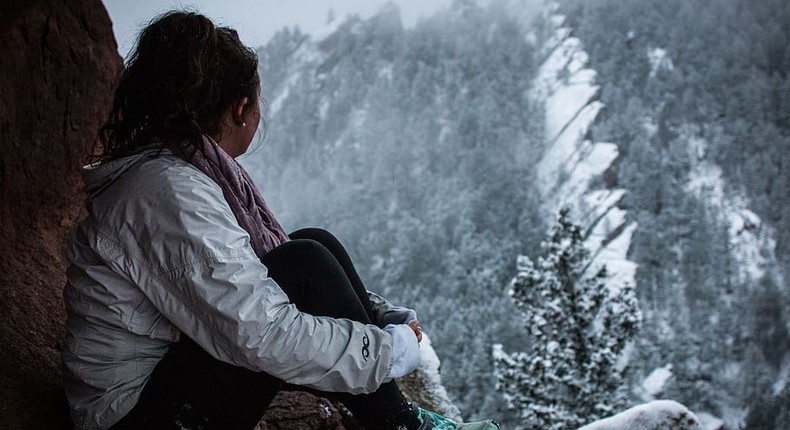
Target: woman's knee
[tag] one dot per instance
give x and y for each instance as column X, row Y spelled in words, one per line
column 317, row 234
column 307, row 248
column 301, row 255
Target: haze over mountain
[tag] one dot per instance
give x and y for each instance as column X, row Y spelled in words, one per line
column 441, row 153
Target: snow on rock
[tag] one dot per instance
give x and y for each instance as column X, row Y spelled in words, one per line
column 784, row 377
column 424, row 386
column 567, row 101
column 305, row 57
column 659, row 61
column 571, row 162
column 283, row 94
column 751, row 241
column 570, row 178
column 429, row 366
column 620, row 270
column 656, row 415
column 655, row 382
column 605, row 217
column 710, row 422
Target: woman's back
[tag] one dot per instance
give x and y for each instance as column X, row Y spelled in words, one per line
column 115, row 335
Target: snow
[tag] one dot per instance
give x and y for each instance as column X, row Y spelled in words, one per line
column 323, row 107
column 621, row 271
column 559, row 35
column 559, row 157
column 571, row 162
column 557, row 20
column 607, row 225
column 277, row 103
column 783, row 378
column 596, row 203
column 710, row 422
column 567, row 102
column 331, row 27
column 386, row 72
column 656, row 415
column 429, row 366
column 564, row 65
column 305, row 55
column 706, row 179
column 659, row 60
column 655, row 382
column 590, row 161
column 751, row 241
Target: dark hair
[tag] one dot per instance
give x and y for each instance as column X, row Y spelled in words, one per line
column 180, row 80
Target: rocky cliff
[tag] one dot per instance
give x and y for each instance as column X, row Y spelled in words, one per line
column 574, row 170
column 57, row 71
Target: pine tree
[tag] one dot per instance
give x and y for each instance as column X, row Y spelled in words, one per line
column 577, row 327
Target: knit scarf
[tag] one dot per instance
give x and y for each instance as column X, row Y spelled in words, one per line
column 242, row 195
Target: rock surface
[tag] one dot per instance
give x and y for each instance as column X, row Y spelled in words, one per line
column 655, row 415
column 57, row 71
column 293, row 410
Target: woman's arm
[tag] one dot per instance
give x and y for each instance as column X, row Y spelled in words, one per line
column 176, row 238
column 387, row 313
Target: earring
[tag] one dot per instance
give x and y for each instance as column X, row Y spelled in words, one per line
column 244, row 124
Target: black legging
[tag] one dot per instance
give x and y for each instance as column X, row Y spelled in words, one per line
column 191, row 389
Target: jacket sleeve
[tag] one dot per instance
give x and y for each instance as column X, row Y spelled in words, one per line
column 387, row 313
column 183, row 247
column 380, row 305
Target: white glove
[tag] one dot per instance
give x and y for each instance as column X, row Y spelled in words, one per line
column 405, row 350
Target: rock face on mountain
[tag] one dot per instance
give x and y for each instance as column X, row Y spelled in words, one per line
column 572, row 164
column 57, row 71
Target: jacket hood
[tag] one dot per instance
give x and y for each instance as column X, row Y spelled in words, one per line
column 98, row 176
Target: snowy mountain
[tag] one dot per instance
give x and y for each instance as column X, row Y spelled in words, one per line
column 572, row 163
column 702, row 165
column 441, row 152
column 415, row 147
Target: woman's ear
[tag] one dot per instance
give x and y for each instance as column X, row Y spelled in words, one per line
column 239, row 109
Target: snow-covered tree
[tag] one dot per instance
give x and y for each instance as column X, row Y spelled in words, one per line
column 577, row 327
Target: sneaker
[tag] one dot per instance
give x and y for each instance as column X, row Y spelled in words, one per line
column 432, row 421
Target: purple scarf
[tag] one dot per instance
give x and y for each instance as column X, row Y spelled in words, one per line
column 241, row 194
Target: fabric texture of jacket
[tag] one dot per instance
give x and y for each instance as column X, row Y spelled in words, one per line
column 160, row 255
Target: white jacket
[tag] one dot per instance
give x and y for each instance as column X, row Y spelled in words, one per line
column 161, row 254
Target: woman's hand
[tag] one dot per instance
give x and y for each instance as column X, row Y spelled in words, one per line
column 415, row 326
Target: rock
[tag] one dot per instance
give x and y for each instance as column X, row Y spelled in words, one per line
column 57, row 71
column 296, row 410
column 424, row 385
column 655, row 415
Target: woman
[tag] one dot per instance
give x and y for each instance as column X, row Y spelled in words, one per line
column 188, row 306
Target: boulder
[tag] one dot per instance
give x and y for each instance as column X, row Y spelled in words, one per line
column 295, row 410
column 57, row 71
column 655, row 415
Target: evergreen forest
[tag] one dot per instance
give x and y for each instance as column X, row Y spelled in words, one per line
column 418, row 147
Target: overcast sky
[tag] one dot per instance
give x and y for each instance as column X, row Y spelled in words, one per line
column 256, row 20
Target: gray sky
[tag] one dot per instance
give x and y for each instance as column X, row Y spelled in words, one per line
column 256, row 20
